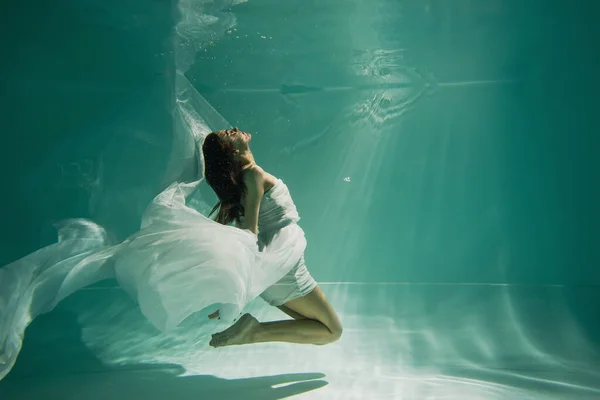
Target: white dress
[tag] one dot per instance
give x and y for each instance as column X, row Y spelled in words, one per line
column 277, row 211
column 178, row 264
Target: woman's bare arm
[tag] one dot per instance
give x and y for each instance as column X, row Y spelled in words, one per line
column 254, row 182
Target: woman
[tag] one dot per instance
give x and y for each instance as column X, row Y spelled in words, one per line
column 244, row 189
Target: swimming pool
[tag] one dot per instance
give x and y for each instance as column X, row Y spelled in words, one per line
column 442, row 156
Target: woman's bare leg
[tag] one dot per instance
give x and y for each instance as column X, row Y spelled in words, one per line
column 291, row 312
column 316, row 323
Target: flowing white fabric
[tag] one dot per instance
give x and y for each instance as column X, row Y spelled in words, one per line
column 178, row 264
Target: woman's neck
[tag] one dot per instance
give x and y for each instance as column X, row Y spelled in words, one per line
column 246, row 160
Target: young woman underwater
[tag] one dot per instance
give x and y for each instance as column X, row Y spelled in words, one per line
column 244, row 191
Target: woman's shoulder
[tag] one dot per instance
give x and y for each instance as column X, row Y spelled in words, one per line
column 256, row 175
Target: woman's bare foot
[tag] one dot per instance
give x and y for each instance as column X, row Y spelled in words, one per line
column 239, row 333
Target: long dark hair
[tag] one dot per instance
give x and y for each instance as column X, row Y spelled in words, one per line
column 224, row 175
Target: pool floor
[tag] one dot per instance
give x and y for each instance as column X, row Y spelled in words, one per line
column 400, row 341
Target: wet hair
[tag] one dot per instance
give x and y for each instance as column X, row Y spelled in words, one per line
column 224, row 175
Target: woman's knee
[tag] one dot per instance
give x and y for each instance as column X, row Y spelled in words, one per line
column 335, row 333
column 316, row 307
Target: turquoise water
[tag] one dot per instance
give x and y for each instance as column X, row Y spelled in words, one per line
column 443, row 157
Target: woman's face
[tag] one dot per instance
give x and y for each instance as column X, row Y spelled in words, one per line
column 238, row 138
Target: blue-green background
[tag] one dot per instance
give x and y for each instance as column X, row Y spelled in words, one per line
column 468, row 131
column 485, row 169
